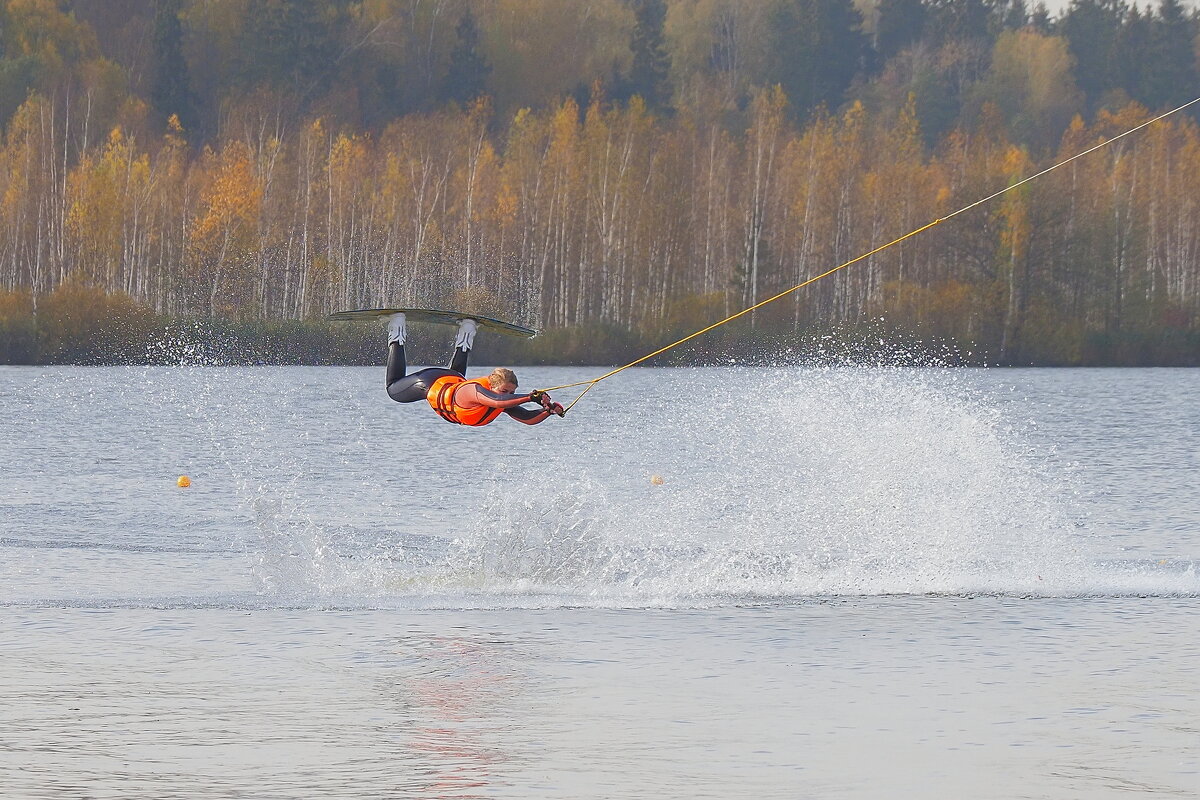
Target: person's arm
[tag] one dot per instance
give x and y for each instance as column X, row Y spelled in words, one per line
column 528, row 415
column 510, row 403
column 474, row 393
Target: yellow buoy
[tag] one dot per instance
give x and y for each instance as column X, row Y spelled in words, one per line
column 183, row 482
column 657, row 480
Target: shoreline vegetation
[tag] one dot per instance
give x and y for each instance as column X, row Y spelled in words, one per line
column 86, row 326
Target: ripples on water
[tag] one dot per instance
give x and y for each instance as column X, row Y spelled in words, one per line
column 968, row 573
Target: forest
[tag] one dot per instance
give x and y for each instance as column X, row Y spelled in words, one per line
column 615, row 172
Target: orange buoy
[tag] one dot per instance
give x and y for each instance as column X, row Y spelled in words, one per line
column 183, row 482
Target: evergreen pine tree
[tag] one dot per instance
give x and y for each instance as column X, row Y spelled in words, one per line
column 651, row 63
column 1039, row 18
column 1015, row 15
column 961, row 19
column 901, row 23
column 819, row 48
column 289, row 43
column 466, row 77
column 171, row 89
column 1091, row 28
column 1129, row 54
column 1172, row 77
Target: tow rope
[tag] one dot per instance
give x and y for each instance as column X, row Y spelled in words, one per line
column 592, row 382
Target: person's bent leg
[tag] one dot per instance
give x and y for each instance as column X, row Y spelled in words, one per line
column 463, row 343
column 396, row 366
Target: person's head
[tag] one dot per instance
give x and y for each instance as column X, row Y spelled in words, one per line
column 503, row 380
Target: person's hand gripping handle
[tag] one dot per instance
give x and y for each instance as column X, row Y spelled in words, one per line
column 538, row 396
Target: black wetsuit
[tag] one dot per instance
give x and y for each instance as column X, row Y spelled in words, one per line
column 405, row 388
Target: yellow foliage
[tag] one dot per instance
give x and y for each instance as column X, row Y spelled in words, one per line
column 1014, row 206
column 504, row 211
column 40, row 28
column 564, row 129
column 230, row 203
column 104, row 193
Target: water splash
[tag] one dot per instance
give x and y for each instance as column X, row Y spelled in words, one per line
column 779, row 484
column 799, row 483
column 806, row 483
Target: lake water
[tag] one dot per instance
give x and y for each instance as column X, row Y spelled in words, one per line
column 850, row 583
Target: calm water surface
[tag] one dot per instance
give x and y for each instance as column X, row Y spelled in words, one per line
column 850, row 583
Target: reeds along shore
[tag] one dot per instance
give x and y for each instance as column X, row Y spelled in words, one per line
column 81, row 325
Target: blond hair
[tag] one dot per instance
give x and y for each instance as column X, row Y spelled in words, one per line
column 501, row 376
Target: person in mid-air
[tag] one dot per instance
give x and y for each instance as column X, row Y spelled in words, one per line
column 452, row 396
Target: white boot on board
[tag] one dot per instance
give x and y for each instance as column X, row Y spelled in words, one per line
column 396, row 330
column 465, row 339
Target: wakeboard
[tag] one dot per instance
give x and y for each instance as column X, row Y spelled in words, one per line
column 437, row 316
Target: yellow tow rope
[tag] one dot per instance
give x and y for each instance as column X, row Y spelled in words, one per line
column 590, row 383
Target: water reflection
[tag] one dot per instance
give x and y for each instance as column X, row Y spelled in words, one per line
column 454, row 697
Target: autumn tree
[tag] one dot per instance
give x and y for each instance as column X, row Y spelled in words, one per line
column 1031, row 83
column 107, row 217
column 764, row 141
column 717, row 45
column 223, row 232
column 1012, row 273
column 541, row 49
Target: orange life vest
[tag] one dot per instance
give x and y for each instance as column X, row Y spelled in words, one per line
column 441, row 397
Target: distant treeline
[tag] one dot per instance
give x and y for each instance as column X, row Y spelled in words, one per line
column 614, row 171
